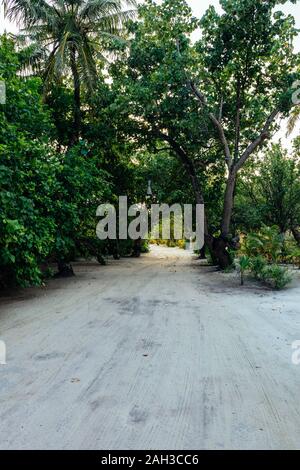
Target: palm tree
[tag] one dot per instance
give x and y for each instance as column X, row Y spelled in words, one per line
column 69, row 34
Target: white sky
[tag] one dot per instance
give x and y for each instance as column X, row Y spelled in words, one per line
column 199, row 7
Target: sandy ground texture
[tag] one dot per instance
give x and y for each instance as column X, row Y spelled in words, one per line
column 150, row 353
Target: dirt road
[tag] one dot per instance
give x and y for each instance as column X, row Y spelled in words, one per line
column 154, row 353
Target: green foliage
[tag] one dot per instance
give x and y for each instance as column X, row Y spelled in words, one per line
column 263, row 250
column 144, row 123
column 60, row 36
column 27, row 175
column 76, row 30
column 294, row 256
column 273, row 275
column 258, row 264
column 169, row 243
column 243, row 66
column 247, row 53
column 267, row 242
column 269, row 191
column 276, row 276
column 47, row 199
column 244, row 264
column 247, row 67
column 157, row 109
column 145, row 248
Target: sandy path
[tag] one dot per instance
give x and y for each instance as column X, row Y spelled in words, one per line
column 150, row 353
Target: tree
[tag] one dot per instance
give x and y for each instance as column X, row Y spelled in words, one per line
column 240, row 73
column 244, row 83
column 47, row 198
column 272, row 190
column 69, row 34
column 27, row 175
column 154, row 106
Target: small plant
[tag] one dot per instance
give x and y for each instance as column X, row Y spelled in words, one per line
column 262, row 252
column 244, row 264
column 258, row 264
column 276, row 276
column 145, row 248
column 268, row 242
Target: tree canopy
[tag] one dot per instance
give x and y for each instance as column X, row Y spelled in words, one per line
column 113, row 97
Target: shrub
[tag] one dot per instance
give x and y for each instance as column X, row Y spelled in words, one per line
column 47, row 198
column 258, row 264
column 276, row 276
column 145, row 246
column 267, row 242
column 262, row 252
column 28, row 176
column 294, row 256
column 244, row 264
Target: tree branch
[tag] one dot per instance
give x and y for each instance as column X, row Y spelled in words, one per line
column 264, row 135
column 201, row 97
column 187, row 162
column 238, row 121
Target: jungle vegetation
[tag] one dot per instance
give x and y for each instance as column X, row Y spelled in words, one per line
column 103, row 95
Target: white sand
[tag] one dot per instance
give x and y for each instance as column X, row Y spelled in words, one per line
column 158, row 353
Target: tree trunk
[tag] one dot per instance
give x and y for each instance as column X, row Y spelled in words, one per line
column 64, row 269
column 202, row 254
column 137, row 248
column 218, row 247
column 77, row 102
column 219, row 252
column 228, row 204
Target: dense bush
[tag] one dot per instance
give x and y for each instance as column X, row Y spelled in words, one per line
column 47, row 199
column 262, row 251
column 294, row 256
column 267, row 242
column 276, row 276
column 269, row 191
column 28, row 172
column 73, row 138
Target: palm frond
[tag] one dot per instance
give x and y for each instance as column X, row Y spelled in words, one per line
column 114, row 24
column 96, row 9
column 49, row 70
column 37, row 33
column 61, row 53
column 62, row 26
column 87, row 65
column 31, row 58
column 28, row 12
column 92, row 9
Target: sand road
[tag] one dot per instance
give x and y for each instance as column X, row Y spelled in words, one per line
column 153, row 353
